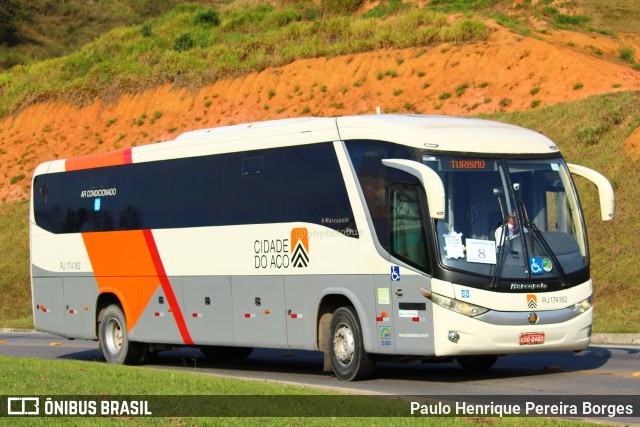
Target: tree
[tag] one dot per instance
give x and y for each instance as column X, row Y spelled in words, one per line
column 11, row 14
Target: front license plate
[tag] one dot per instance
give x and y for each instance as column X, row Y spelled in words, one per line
column 531, row 339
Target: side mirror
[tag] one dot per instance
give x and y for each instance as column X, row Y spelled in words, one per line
column 605, row 189
column 430, row 181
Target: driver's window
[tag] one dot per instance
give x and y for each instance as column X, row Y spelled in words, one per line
column 408, row 237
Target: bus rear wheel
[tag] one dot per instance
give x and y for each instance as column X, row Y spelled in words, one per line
column 114, row 339
column 349, row 359
column 477, row 363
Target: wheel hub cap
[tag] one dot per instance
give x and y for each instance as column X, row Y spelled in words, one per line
column 343, row 344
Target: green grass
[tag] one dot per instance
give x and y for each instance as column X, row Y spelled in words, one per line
column 49, row 29
column 179, row 48
column 590, row 132
column 36, row 377
column 15, row 304
column 613, row 15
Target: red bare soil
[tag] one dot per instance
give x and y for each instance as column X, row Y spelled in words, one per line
column 507, row 72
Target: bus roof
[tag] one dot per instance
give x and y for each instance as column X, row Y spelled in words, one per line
column 435, row 133
column 447, row 134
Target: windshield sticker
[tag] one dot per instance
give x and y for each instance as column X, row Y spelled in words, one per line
column 481, row 251
column 547, row 265
column 555, row 167
column 535, row 264
column 454, row 246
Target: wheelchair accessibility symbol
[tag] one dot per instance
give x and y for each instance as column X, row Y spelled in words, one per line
column 395, row 273
column 535, row 264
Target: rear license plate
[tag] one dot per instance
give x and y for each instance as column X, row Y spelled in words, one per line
column 531, row 339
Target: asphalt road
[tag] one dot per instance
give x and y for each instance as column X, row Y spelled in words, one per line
column 599, row 370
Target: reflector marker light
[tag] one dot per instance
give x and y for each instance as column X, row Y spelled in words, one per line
column 249, row 315
column 196, row 315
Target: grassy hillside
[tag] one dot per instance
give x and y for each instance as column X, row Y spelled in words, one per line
column 32, row 31
column 193, row 45
column 590, row 132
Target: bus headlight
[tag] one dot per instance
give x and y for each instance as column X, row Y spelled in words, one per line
column 458, row 306
column 582, row 306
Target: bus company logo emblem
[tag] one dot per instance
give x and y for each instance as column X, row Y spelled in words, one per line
column 532, row 301
column 533, row 318
column 300, row 247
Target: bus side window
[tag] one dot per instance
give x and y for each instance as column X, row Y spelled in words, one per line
column 407, row 233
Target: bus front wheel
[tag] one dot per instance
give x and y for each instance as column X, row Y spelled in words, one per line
column 349, row 359
column 114, row 339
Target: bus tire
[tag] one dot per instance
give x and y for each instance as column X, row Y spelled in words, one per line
column 220, row 353
column 349, row 359
column 114, row 340
column 477, row 363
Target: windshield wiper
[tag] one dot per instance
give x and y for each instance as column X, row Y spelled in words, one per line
column 505, row 244
column 536, row 233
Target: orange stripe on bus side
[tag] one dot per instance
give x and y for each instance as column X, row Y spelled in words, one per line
column 122, row 264
column 174, row 306
column 115, row 158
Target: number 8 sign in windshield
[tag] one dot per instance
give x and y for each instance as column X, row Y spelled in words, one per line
column 482, row 251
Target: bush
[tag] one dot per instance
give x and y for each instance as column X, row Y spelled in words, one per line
column 146, row 30
column 183, row 43
column 626, row 54
column 16, row 178
column 208, row 17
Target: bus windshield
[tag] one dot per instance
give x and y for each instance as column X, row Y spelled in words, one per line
column 509, row 219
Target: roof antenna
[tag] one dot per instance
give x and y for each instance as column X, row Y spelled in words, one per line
column 378, row 110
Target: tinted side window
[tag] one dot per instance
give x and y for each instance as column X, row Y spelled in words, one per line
column 73, row 203
column 195, row 192
column 314, row 188
column 293, row 184
column 375, row 179
column 252, row 183
column 144, row 194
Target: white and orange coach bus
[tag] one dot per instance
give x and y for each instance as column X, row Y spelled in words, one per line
column 370, row 238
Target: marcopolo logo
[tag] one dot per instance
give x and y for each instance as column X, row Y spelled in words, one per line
column 532, row 301
column 300, row 247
